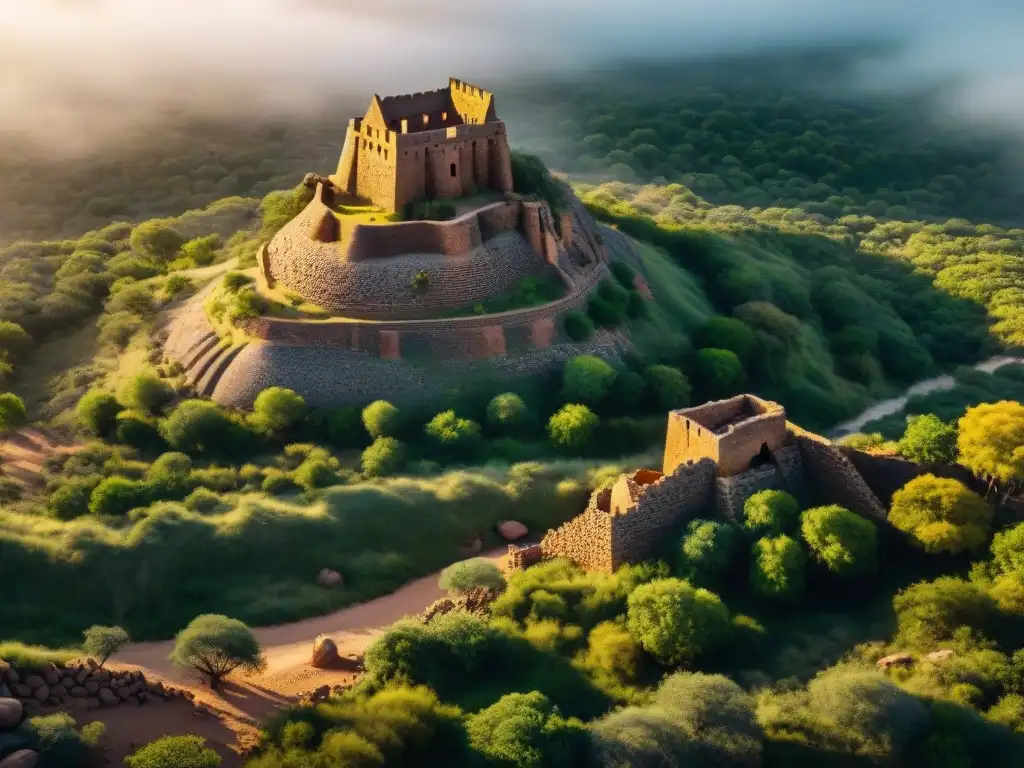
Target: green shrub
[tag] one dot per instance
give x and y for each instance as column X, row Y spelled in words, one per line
column 176, row 285
column 777, row 568
column 60, row 743
column 941, row 515
column 526, row 731
column 844, row 542
column 1008, row 549
column 507, row 411
column 220, row 479
column 386, row 456
column 577, row 326
column 771, row 513
column 587, row 379
column 628, row 392
column 71, row 498
column 103, row 642
column 170, row 475
column 930, row 612
column 706, row 552
column 573, row 427
column 203, row 501
column 624, row 273
column 132, row 297
column 15, row 343
column 728, row 333
column 12, row 411
column 612, row 650
column 452, row 433
column 174, row 752
column 201, row 251
column 278, row 410
column 637, row 306
column 118, row 496
column 719, row 373
column 97, row 411
column 315, row 473
column 676, row 622
column 9, row 490
column 235, row 281
column 470, row 574
column 199, row 426
column 157, row 238
column 214, row 646
column 604, row 313
column 245, row 304
column 145, row 391
column 138, row 430
column 669, row 388
column 928, row 440
column 276, row 482
column 381, row 419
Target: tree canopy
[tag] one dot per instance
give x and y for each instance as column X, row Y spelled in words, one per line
column 941, row 515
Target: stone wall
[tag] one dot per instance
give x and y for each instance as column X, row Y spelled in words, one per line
column 731, row 493
column 832, row 478
column 886, row 474
column 586, row 539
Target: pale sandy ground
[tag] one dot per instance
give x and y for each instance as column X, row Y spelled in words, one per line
column 246, row 700
column 22, row 455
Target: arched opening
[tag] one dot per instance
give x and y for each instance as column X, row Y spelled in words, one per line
column 453, row 170
column 764, row 456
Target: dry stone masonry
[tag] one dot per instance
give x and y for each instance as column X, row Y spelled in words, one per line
column 717, row 455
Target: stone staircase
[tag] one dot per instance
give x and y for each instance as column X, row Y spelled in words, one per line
column 206, row 362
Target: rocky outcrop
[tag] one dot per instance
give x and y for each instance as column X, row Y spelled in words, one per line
column 512, row 530
column 329, row 579
column 476, row 601
column 325, row 653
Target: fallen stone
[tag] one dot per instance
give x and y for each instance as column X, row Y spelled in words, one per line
column 329, row 579
column 325, row 652
column 107, row 697
column 23, row 758
column 10, row 713
column 895, row 660
column 512, row 530
column 940, row 655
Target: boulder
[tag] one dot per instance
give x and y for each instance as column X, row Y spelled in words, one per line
column 512, row 530
column 41, row 694
column 107, row 697
column 82, row 676
column 23, row 758
column 10, row 713
column 34, row 681
column 325, row 652
column 7, row 673
column 59, row 691
column 5, row 692
column 329, row 579
column 22, row 691
column 51, row 675
column 895, row 660
column 940, row 655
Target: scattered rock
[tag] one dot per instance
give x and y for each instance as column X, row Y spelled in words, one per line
column 107, row 697
column 325, row 652
column 512, row 530
column 10, row 713
column 329, row 579
column 940, row 655
column 123, row 693
column 23, row 758
column 895, row 660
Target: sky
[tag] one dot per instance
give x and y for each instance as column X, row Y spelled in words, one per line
column 76, row 75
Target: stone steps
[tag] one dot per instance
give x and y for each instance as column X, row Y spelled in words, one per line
column 199, row 368
column 197, row 350
column 207, row 383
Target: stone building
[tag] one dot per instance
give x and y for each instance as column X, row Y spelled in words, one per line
column 717, row 455
column 434, row 145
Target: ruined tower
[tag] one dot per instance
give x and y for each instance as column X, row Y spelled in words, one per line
column 425, row 146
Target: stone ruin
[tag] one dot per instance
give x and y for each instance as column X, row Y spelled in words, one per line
column 717, row 455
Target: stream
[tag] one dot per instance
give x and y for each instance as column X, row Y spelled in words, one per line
column 896, row 404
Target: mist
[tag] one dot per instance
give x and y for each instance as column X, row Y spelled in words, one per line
column 76, row 75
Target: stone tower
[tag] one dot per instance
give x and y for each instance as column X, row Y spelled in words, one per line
column 425, row 146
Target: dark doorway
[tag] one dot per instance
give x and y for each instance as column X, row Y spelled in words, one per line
column 453, row 170
column 764, row 456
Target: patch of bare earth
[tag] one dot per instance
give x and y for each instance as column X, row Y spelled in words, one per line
column 23, row 454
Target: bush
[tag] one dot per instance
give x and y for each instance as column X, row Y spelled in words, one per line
column 97, row 410
column 215, row 646
column 138, row 430
column 235, row 281
column 928, row 440
column 381, row 419
column 941, row 515
column 276, row 482
column 728, row 333
column 612, row 650
column 118, row 496
column 587, row 379
column 777, row 568
column 157, row 238
column 118, row 328
column 507, row 411
column 104, row 642
column 170, row 475
column 60, row 743
column 145, row 392
column 572, row 427
column 606, row 314
column 174, row 752
column 771, row 513
column 1008, row 549
column 71, row 499
column 12, row 411
column 386, row 456
column 706, row 552
column 577, row 326
column 278, row 410
column 132, row 297
column 203, row 501
column 15, row 343
column 199, row 426
column 201, row 251
column 452, row 433
column 719, row 373
column 676, row 622
column 315, row 473
column 624, row 273
column 471, row 574
column 525, row 730
column 930, row 612
column 844, row 542
column 668, row 386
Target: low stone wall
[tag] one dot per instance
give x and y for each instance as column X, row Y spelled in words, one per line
column 886, row 474
column 833, row 478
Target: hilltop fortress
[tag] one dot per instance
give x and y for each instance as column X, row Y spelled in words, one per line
column 397, row 252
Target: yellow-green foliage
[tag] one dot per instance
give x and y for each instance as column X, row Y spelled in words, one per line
column 34, row 656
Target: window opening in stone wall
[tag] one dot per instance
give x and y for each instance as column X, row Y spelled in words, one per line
column 453, row 170
column 379, row 147
column 385, row 154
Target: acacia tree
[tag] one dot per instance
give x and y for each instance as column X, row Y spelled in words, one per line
column 215, row 646
column 104, row 642
column 991, row 445
column 941, row 515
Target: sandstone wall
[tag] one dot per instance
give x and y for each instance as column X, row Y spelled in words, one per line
column 731, row 493
column 833, row 479
column 586, row 539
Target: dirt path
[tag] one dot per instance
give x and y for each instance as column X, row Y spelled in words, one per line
column 23, row 453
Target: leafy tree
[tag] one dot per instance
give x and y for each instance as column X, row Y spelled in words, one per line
column 728, row 333
column 314, row 473
column 941, row 515
column 707, row 551
column 71, row 498
column 470, row 574
column 386, row 456
column 278, row 410
column 676, row 622
column 381, row 419
column 669, row 387
column 526, row 730
column 844, row 542
column 104, row 642
column 453, row 433
column 572, row 427
column 719, row 373
column 587, row 379
column 771, row 513
column 97, row 411
column 1008, row 549
column 118, row 496
column 507, row 411
column 215, row 646
column 174, row 752
column 145, row 392
column 198, row 426
column 578, row 327
column 777, row 568
column 929, row 440
column 15, row 343
column 132, row 297
column 991, row 444
column 157, row 238
column 639, row 737
column 202, row 250
column 930, row 612
column 624, row 273
column 12, row 411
